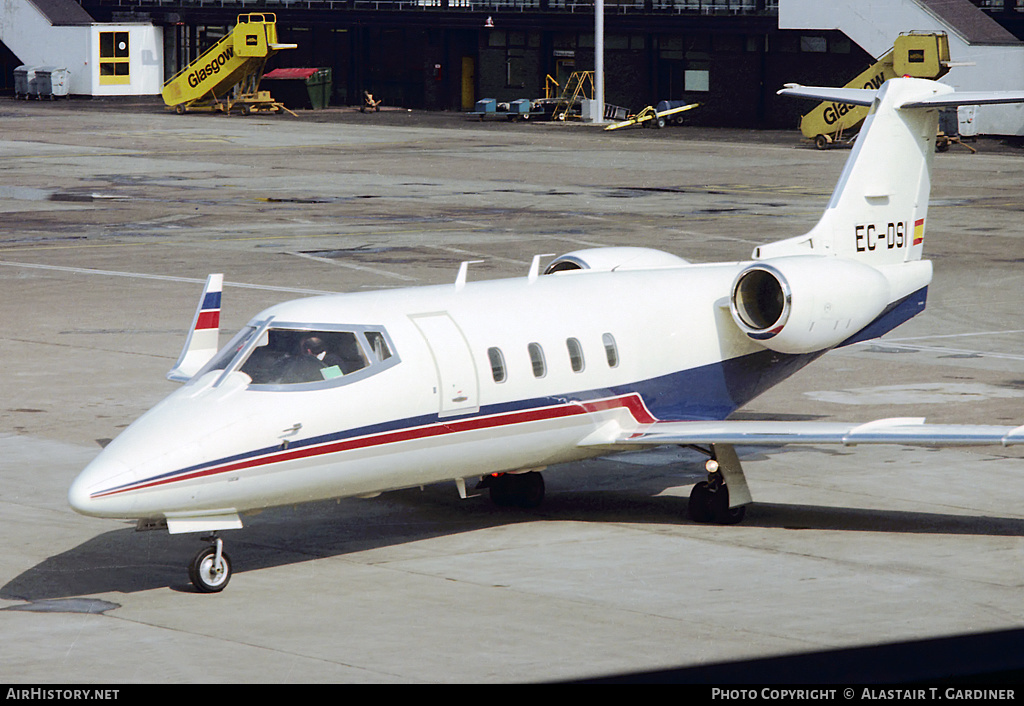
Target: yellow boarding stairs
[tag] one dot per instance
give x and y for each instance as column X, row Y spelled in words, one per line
column 228, row 73
column 918, row 55
column 575, row 90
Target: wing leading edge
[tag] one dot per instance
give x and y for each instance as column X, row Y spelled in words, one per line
column 908, row 431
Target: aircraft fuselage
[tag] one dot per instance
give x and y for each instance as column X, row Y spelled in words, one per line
column 489, row 377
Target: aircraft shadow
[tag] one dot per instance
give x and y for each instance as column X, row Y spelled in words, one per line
column 922, row 669
column 125, row 561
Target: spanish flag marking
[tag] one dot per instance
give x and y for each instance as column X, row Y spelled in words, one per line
column 918, row 231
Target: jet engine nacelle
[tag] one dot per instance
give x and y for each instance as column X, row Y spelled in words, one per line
column 608, row 259
column 806, row 303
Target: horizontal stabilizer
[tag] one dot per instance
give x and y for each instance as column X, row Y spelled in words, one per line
column 967, row 98
column 900, row 430
column 851, row 96
column 866, row 96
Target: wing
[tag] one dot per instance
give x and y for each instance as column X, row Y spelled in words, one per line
column 910, row 431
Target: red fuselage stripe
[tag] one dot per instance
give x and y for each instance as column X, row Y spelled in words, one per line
column 631, row 403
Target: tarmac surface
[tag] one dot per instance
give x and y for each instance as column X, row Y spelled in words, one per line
column 112, row 215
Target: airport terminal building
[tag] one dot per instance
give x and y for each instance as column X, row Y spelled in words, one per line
column 729, row 55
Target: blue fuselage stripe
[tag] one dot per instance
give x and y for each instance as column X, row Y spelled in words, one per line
column 706, row 393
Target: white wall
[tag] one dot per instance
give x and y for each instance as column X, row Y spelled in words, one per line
column 35, row 42
column 146, row 43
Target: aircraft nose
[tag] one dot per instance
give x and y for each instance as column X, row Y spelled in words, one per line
column 100, row 475
column 78, row 495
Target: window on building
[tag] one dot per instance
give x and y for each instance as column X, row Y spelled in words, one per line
column 816, row 45
column 697, row 80
column 114, row 59
column 515, row 71
column 840, row 45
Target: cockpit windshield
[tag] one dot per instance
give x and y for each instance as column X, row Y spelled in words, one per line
column 275, row 354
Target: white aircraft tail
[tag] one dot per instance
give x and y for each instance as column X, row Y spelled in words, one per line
column 879, row 209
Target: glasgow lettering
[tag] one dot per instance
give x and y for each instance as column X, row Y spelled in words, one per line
column 875, row 82
column 211, row 68
column 834, row 111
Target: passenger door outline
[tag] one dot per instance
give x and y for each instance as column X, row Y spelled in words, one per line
column 457, row 380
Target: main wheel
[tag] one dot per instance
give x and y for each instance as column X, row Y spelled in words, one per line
column 525, row 490
column 730, row 515
column 206, row 575
column 531, row 490
column 707, row 506
column 699, row 506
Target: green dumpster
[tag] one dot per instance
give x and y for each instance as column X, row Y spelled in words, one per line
column 300, row 89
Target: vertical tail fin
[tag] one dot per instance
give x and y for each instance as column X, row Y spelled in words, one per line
column 879, row 209
column 204, row 336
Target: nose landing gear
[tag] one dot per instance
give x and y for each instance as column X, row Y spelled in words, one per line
column 210, row 570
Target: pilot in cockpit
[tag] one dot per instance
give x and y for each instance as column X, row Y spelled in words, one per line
column 310, row 357
column 314, row 346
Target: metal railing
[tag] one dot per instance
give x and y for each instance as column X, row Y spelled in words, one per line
column 1000, row 5
column 702, row 7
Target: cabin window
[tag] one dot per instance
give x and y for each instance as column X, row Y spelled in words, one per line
column 537, row 360
column 274, row 355
column 228, row 352
column 497, row 364
column 378, row 345
column 285, row 357
column 611, row 352
column 575, row 354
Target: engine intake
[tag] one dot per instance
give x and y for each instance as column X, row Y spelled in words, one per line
column 761, row 301
column 806, row 303
column 614, row 258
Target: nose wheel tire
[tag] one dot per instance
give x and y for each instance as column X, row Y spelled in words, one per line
column 210, row 570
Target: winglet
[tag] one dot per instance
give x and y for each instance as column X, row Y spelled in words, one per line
column 204, row 336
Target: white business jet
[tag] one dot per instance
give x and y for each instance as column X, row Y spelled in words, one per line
column 356, row 394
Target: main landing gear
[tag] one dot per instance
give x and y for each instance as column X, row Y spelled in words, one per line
column 525, row 490
column 709, row 499
column 210, row 570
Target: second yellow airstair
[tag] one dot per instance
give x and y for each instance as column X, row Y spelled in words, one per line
column 921, row 55
column 227, row 75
